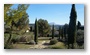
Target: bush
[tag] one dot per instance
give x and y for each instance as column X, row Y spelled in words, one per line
column 22, row 39
column 8, row 46
column 32, row 42
column 53, row 41
column 15, row 40
column 29, row 38
column 80, row 37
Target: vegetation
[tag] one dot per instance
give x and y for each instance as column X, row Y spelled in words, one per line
column 80, row 37
column 36, row 32
column 59, row 32
column 62, row 32
column 53, row 41
column 22, row 24
column 8, row 46
column 32, row 42
column 12, row 16
column 78, row 25
column 42, row 35
column 53, row 31
column 43, row 27
column 72, row 27
column 65, row 30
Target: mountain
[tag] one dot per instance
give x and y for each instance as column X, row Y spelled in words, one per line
column 56, row 26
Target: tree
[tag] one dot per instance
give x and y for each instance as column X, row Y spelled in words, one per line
column 23, row 23
column 59, row 32
column 78, row 25
column 65, row 30
column 44, row 27
column 36, row 32
column 13, row 15
column 62, row 32
column 72, row 27
column 53, row 31
column 6, row 9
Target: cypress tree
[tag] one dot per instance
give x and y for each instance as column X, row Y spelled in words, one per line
column 59, row 32
column 78, row 25
column 36, row 32
column 72, row 27
column 62, row 32
column 65, row 30
column 53, row 31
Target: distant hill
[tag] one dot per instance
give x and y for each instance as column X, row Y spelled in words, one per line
column 56, row 26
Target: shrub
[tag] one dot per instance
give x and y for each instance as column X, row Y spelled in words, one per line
column 32, row 42
column 29, row 38
column 22, row 39
column 8, row 46
column 53, row 41
column 80, row 37
column 15, row 40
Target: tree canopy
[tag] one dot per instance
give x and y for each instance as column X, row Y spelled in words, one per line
column 14, row 14
column 44, row 27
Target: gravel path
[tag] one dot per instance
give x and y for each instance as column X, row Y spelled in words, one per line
column 40, row 45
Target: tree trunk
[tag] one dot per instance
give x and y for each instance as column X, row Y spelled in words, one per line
column 9, row 39
column 72, row 46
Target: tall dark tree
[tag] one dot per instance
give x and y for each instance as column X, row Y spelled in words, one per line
column 62, row 32
column 36, row 32
column 53, row 31
column 65, row 30
column 72, row 27
column 78, row 25
column 59, row 32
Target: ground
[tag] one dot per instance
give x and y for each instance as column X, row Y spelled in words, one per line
column 42, row 44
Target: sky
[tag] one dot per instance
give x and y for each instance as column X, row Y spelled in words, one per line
column 54, row 13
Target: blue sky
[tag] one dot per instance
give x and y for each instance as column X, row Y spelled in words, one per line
column 57, row 13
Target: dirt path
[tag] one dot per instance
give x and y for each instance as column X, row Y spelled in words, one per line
column 40, row 45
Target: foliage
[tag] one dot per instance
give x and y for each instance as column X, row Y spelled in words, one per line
column 27, row 37
column 43, row 27
column 80, row 37
column 36, row 32
column 62, row 32
column 32, row 42
column 72, row 26
column 6, row 9
column 15, row 39
column 78, row 25
column 59, row 32
column 6, row 37
column 14, row 14
column 23, row 23
column 53, row 32
column 11, row 16
column 8, row 46
column 53, row 41
column 65, row 31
